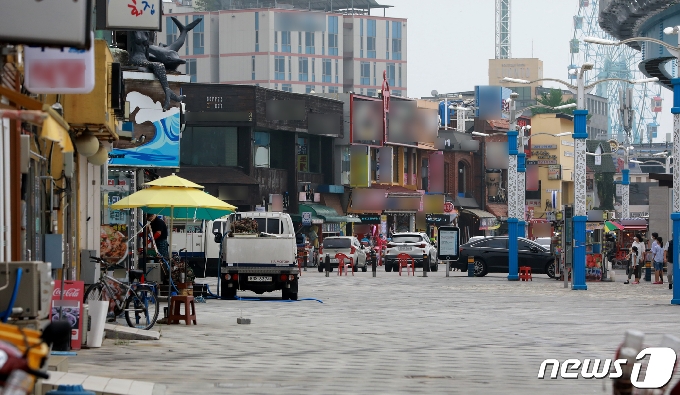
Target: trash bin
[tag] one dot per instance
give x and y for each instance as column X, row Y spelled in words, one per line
column 95, row 334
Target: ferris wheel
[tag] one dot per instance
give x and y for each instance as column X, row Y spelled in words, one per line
column 615, row 62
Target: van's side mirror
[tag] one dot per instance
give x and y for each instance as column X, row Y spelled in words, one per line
column 218, row 236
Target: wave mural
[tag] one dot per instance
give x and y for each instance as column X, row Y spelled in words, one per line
column 163, row 149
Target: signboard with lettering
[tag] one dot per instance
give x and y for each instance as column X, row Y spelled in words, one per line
column 370, row 218
column 306, row 218
column 554, row 172
column 533, row 202
column 567, row 143
column 438, row 219
column 544, row 146
column 447, row 243
column 569, row 154
column 51, row 70
column 129, row 15
column 542, row 162
column 70, row 307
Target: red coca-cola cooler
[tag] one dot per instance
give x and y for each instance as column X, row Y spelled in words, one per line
column 71, row 307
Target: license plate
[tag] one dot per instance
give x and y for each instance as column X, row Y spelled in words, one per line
column 404, row 248
column 259, row 279
column 334, row 261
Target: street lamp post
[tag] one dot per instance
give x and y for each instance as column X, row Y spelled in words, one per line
column 580, row 135
column 675, row 110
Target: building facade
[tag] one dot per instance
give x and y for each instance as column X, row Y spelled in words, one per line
column 291, row 49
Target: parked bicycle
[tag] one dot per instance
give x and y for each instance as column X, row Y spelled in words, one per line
column 137, row 300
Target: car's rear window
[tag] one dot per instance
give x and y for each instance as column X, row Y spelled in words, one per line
column 407, row 239
column 337, row 243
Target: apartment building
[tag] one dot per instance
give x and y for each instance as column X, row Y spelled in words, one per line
column 322, row 46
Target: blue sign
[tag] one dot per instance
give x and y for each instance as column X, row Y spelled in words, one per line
column 489, row 102
column 306, row 218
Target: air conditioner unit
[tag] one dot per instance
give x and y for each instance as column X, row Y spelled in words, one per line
column 34, row 291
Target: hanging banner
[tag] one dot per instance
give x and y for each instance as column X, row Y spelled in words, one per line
column 71, row 308
column 360, row 160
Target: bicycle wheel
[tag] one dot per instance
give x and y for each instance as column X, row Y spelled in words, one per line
column 95, row 293
column 141, row 308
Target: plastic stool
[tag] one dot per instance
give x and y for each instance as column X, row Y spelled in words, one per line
column 189, row 315
column 525, row 273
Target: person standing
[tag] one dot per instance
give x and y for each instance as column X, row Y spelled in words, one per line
column 642, row 251
column 159, row 231
column 669, row 259
column 314, row 237
column 634, row 265
column 658, row 256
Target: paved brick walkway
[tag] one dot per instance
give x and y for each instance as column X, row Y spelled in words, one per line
column 394, row 335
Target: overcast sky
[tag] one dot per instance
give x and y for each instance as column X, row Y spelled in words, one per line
column 451, row 41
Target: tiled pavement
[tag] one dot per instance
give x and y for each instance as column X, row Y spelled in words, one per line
column 393, row 335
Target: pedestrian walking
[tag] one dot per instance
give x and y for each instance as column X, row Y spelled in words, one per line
column 159, row 231
column 658, row 256
column 634, row 256
column 669, row 259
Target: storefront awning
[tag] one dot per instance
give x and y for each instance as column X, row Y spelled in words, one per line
column 479, row 213
column 326, row 213
column 54, row 128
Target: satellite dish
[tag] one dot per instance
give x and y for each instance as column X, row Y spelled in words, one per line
column 434, row 93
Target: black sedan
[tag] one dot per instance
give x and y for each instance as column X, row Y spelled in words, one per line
column 491, row 256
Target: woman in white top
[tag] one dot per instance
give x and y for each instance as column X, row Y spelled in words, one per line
column 636, row 261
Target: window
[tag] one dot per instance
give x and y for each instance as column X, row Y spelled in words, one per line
column 261, row 144
column 361, row 38
column 399, row 75
column 370, row 41
column 276, row 41
column 309, row 42
column 396, row 93
column 199, row 37
column 285, row 42
column 396, row 40
column 171, row 29
column 370, row 92
column 387, row 39
column 375, row 73
column 332, row 89
column 209, row 146
column 290, row 69
column 257, row 32
column 323, row 43
column 309, row 88
column 333, row 35
column 407, row 169
column 497, row 243
column 524, row 92
column 279, row 68
column 252, row 67
column 191, row 69
column 391, row 73
column 423, row 174
column 365, row 73
column 336, row 71
column 326, row 70
column 313, row 69
column 287, row 87
column 299, row 42
column 303, row 67
column 344, row 164
column 395, row 164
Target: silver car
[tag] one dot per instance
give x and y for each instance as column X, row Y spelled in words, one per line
column 417, row 245
column 347, row 245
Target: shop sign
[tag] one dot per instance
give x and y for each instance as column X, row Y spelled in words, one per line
column 569, row 154
column 567, row 143
column 542, row 162
column 71, row 306
column 533, row 202
column 53, row 70
column 543, row 155
column 544, row 146
column 330, row 227
column 371, row 218
column 554, row 172
column 129, row 15
column 438, row 219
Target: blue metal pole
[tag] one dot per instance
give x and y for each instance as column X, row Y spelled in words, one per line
column 579, row 260
column 675, row 216
column 513, row 267
column 521, row 169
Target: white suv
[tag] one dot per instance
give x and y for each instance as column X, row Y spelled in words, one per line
column 347, row 245
column 417, row 245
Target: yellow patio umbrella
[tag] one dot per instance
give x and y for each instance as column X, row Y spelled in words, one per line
column 176, row 197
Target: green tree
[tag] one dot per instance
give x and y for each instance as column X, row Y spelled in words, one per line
column 606, row 189
column 553, row 99
column 211, row 5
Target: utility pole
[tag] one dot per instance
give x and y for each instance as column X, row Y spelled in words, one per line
column 626, row 112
